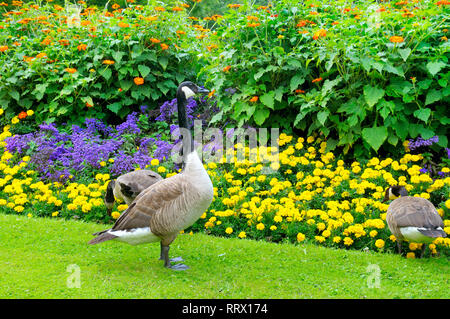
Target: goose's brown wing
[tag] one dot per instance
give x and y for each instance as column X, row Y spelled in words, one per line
column 155, row 200
column 414, row 212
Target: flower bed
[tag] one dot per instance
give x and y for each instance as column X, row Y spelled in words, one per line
column 311, row 195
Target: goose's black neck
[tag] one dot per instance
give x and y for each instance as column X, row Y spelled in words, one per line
column 187, row 138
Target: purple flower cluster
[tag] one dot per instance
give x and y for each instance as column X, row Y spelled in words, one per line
column 57, row 153
column 169, row 108
column 420, row 142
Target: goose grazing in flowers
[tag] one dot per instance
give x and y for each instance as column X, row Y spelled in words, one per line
column 127, row 186
column 412, row 218
column 161, row 211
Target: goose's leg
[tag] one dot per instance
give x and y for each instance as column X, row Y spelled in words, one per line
column 167, row 261
column 399, row 247
column 161, row 255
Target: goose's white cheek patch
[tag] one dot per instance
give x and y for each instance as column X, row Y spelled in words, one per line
column 187, row 92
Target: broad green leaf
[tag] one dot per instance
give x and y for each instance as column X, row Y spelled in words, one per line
column 259, row 74
column 217, row 117
column 322, row 116
column 260, row 115
column 14, row 94
column 279, row 94
column 268, row 99
column 144, row 70
column 433, row 96
column 117, row 55
column 163, row 61
column 87, row 99
column 404, row 53
column 435, row 67
column 114, row 107
column 423, row 114
column 375, row 136
column 296, row 80
column 106, row 73
column 426, row 133
column 372, row 95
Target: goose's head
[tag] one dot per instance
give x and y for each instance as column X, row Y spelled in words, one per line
column 393, row 192
column 188, row 89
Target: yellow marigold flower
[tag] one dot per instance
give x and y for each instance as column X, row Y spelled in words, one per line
column 115, row 214
column 154, row 162
column 373, row 233
column 242, row 234
column 54, row 214
column 379, row 243
column 320, row 239
column 273, row 227
column 161, row 169
column 410, row 255
column 260, row 226
column 229, row 230
column 300, row 237
column 19, row 209
column 348, row 241
column 337, row 239
column 278, row 219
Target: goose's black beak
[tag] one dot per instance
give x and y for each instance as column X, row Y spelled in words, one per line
column 202, row 91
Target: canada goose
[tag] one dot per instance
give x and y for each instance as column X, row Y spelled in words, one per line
column 127, row 186
column 165, row 208
column 412, row 218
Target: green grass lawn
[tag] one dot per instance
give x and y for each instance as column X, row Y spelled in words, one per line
column 36, row 254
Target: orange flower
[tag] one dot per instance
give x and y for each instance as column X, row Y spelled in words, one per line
column 444, row 38
column 82, row 47
column 298, row 91
column 41, row 55
column 234, row 6
column 177, row 9
column 70, row 70
column 138, row 81
column 3, row 48
column 210, row 94
column 253, row 25
column 153, row 40
column 320, row 33
column 159, row 9
column 254, row 99
column 123, row 25
column 22, row 115
column 115, row 6
column 164, row 46
column 227, row 68
column 64, row 42
column 108, row 62
column 396, row 39
column 252, row 18
column 316, row 80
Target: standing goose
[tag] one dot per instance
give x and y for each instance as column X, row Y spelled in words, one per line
column 412, row 218
column 165, row 208
column 127, row 186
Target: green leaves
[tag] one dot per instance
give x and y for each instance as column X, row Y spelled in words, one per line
column 372, row 95
column 260, row 115
column 375, row 136
column 268, row 99
column 435, row 67
column 423, row 114
column 296, row 80
column 143, row 70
